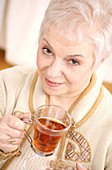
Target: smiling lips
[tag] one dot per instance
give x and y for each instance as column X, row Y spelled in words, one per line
column 52, row 84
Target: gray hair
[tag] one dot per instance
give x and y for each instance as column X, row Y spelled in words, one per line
column 82, row 20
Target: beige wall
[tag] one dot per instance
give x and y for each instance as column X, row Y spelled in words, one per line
column 19, row 34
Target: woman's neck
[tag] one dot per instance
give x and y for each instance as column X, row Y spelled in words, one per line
column 62, row 101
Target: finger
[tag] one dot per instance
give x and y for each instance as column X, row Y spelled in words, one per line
column 14, row 122
column 10, row 140
column 79, row 166
column 8, row 147
column 28, row 114
column 6, row 132
column 15, row 133
column 22, row 114
column 25, row 117
column 14, row 141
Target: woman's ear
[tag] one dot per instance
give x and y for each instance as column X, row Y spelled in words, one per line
column 101, row 62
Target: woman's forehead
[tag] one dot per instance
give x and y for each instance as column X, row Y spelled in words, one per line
column 57, row 37
column 67, row 35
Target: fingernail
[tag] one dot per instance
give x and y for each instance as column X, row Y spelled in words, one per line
column 79, row 165
column 28, row 114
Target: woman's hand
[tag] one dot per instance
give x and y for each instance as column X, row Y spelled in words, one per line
column 79, row 166
column 11, row 133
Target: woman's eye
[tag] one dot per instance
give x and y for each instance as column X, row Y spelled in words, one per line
column 74, row 62
column 46, row 51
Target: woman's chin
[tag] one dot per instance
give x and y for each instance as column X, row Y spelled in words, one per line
column 52, row 92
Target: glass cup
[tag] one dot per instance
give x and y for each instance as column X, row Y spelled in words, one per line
column 51, row 122
column 47, row 163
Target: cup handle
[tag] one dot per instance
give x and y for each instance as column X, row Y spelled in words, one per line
column 29, row 121
column 28, row 137
column 29, row 140
column 26, row 120
column 23, row 116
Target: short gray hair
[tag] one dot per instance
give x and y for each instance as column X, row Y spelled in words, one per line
column 82, row 20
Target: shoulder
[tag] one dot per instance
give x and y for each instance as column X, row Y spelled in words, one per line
column 16, row 72
column 16, row 76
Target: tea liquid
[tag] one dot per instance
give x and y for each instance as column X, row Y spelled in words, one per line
column 44, row 141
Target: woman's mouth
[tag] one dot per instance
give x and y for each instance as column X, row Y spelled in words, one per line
column 52, row 84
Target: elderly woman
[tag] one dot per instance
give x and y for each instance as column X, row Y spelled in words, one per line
column 75, row 39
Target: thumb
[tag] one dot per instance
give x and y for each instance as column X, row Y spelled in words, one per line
column 28, row 114
column 79, row 166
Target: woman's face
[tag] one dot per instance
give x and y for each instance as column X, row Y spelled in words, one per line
column 64, row 67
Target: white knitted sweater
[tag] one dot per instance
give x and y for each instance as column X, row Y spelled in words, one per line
column 88, row 141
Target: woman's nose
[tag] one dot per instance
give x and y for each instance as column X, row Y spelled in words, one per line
column 55, row 69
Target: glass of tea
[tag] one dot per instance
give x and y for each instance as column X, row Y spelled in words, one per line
column 50, row 123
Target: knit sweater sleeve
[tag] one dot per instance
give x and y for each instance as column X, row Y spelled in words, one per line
column 4, row 156
column 10, row 81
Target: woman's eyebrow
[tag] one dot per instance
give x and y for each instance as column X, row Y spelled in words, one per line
column 76, row 55
column 44, row 39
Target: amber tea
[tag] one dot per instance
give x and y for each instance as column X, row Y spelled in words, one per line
column 43, row 139
column 50, row 124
